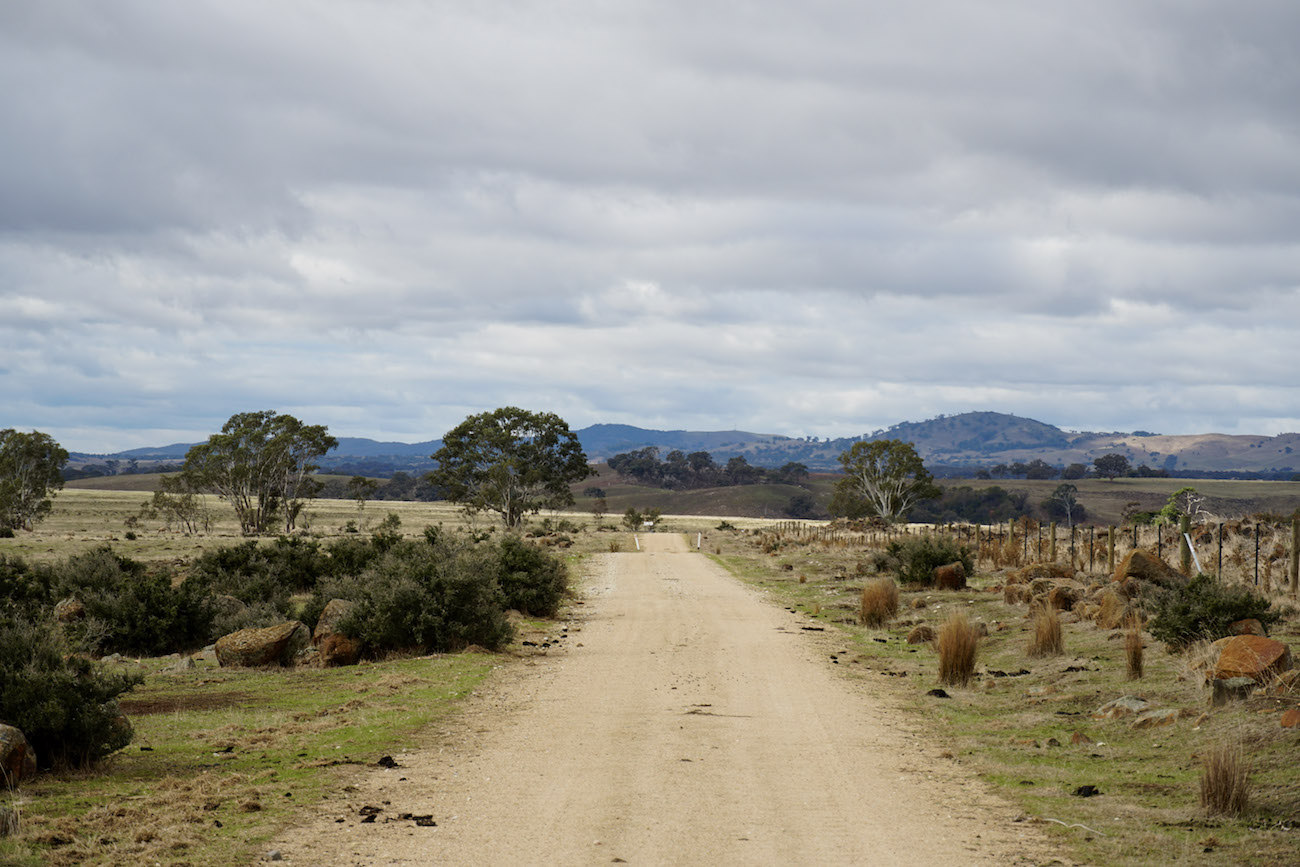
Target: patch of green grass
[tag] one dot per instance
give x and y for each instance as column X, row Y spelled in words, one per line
column 222, row 759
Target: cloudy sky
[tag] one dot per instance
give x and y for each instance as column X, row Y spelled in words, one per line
column 802, row 218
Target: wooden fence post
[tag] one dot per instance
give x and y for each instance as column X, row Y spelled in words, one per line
column 1051, row 545
column 1110, row 550
column 1184, row 547
column 1295, row 557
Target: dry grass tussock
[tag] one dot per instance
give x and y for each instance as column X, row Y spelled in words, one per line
column 957, row 644
column 1045, row 638
column 1133, row 650
column 879, row 602
column 1225, row 780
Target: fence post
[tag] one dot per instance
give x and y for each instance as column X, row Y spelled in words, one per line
column 1257, row 557
column 1110, row 550
column 1160, row 541
column 1051, row 545
column 1040, row 543
column 1184, row 547
column 1295, row 557
column 1091, row 539
column 1218, row 569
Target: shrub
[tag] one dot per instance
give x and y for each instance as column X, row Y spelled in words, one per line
column 957, row 644
column 1045, row 639
column 1205, row 608
column 22, row 583
column 879, row 602
column 918, row 556
column 254, row 573
column 423, row 598
column 531, row 580
column 1225, row 780
column 65, row 704
column 130, row 609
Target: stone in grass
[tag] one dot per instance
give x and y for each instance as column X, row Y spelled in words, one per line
column 1231, row 689
column 921, row 634
column 1252, row 656
column 1156, row 718
column 17, row 758
column 1127, row 705
column 274, row 645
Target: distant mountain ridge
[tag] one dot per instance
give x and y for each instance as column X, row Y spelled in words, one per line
column 971, row 439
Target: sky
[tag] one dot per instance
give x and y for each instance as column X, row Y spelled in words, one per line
column 819, row 218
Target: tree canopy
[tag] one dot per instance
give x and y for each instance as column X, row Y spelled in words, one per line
column 30, row 465
column 510, row 461
column 262, row 464
column 1111, row 465
column 882, row 478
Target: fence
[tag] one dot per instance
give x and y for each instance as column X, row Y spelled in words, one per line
column 1262, row 553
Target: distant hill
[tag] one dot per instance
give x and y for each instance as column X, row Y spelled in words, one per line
column 971, row 439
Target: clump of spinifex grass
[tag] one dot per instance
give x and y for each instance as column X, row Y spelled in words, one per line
column 1225, row 780
column 1045, row 639
column 1133, row 650
column 879, row 602
column 958, row 641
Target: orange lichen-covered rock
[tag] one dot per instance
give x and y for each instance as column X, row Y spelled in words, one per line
column 1252, row 656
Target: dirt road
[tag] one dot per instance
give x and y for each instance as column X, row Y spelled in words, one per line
column 688, row 722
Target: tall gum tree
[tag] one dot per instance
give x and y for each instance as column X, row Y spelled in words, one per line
column 510, row 461
column 31, row 465
column 882, row 478
column 262, row 464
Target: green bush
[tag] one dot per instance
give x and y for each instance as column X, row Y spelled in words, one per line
column 1204, row 609
column 65, row 704
column 23, row 584
column 917, row 557
column 130, row 609
column 254, row 573
column 532, row 580
column 423, row 597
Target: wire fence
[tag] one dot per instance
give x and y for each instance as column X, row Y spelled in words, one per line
column 1259, row 552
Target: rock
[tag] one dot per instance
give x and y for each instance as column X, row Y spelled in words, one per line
column 1156, row 718
column 950, row 577
column 938, row 693
column 182, row 663
column 335, row 611
column 1252, row 656
column 69, row 610
column 1063, row 597
column 1231, row 689
column 1146, row 566
column 1123, row 706
column 1249, row 626
column 921, row 634
column 225, row 605
column 274, row 645
column 17, row 758
column 337, row 649
column 1290, row 719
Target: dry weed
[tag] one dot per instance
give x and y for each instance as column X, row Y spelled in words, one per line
column 879, row 602
column 1045, row 639
column 1225, row 780
column 1133, row 650
column 957, row 644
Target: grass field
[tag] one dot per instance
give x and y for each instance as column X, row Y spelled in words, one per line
column 222, row 759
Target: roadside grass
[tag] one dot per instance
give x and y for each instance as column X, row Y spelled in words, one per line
column 222, row 759
column 1025, row 724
